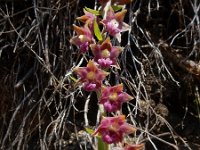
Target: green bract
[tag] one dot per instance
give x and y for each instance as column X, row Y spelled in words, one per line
column 117, row 7
column 97, row 31
column 95, row 12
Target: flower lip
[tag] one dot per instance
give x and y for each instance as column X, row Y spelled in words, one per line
column 84, row 47
column 113, row 27
column 89, row 86
column 105, row 63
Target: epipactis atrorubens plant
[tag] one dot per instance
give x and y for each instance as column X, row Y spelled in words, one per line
column 99, row 27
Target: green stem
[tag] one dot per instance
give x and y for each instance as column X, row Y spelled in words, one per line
column 102, row 145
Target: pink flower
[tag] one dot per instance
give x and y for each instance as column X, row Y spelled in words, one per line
column 88, row 18
column 114, row 24
column 91, row 76
column 106, row 54
column 113, row 97
column 112, row 129
column 83, row 39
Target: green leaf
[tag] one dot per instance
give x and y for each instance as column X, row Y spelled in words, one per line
column 117, row 7
column 97, row 31
column 90, row 131
column 102, row 145
column 95, row 12
column 73, row 79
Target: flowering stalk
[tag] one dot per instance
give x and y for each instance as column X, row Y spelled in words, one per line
column 95, row 36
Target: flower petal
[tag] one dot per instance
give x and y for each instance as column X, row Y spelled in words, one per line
column 91, row 66
column 81, row 71
column 125, row 27
column 119, row 16
column 106, row 44
column 127, row 128
column 79, row 30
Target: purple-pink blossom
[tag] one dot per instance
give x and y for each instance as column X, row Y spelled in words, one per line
column 113, row 129
column 113, row 97
column 114, row 24
column 83, row 38
column 88, row 18
column 105, row 54
column 91, row 76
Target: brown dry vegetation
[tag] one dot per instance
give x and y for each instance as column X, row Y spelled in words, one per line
column 40, row 108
